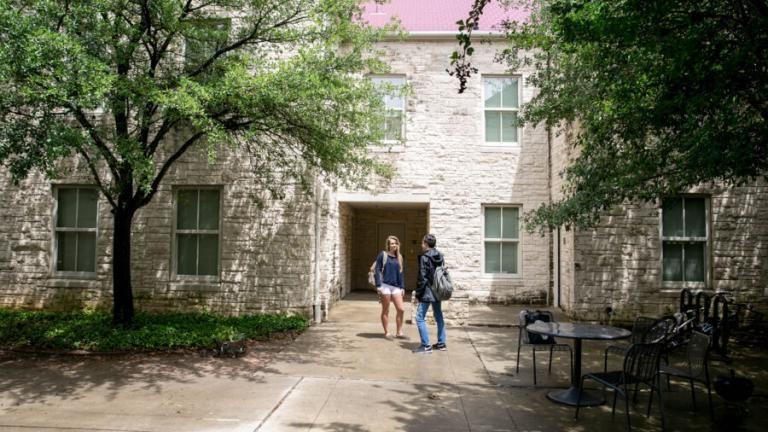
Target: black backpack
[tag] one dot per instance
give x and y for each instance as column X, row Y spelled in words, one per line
column 531, row 317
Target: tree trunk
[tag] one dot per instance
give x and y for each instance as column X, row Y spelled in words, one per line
column 122, row 311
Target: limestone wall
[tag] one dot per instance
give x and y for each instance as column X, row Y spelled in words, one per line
column 444, row 158
column 618, row 264
column 265, row 249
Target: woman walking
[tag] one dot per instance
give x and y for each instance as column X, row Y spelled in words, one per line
column 388, row 275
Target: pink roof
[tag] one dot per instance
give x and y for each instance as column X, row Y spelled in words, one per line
column 438, row 15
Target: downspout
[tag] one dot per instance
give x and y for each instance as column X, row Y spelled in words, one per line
column 555, row 264
column 316, row 306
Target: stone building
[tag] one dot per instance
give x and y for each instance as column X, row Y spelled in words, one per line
column 465, row 172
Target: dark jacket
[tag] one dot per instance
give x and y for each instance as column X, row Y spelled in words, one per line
column 430, row 260
column 388, row 273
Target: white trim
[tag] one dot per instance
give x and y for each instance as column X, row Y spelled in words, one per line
column 55, row 229
column 387, row 147
column 383, row 198
column 516, row 110
column 501, row 240
column 706, row 260
column 402, row 110
column 176, row 277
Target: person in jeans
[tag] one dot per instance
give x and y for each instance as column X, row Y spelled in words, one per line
column 388, row 275
column 428, row 261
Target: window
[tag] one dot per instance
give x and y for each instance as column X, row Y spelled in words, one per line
column 501, row 240
column 394, row 102
column 684, row 239
column 197, row 232
column 203, row 38
column 76, row 216
column 501, row 105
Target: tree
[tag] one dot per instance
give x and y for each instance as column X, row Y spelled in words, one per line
column 109, row 81
column 665, row 95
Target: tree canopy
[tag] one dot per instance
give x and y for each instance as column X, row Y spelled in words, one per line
column 663, row 95
column 109, row 81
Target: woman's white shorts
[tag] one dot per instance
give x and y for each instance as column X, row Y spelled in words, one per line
column 386, row 289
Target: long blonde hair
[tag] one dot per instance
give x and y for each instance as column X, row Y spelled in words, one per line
column 399, row 255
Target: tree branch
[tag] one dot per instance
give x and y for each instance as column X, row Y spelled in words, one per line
column 97, row 140
column 165, row 127
column 142, row 201
column 96, row 177
column 250, row 38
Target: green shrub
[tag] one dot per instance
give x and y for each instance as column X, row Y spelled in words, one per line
column 93, row 330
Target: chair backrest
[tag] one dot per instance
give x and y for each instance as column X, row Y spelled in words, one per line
column 529, row 317
column 641, row 325
column 696, row 354
column 642, row 361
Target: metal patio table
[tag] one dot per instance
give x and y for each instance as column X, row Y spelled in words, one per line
column 577, row 332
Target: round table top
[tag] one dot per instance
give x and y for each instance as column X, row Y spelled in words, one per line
column 578, row 330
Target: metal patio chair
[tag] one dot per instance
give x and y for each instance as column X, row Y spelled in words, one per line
column 640, row 326
column 538, row 343
column 641, row 366
column 695, row 368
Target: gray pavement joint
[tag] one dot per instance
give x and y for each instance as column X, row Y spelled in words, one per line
column 277, row 405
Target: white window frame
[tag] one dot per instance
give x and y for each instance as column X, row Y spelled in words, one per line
column 686, row 239
column 502, row 109
column 55, row 229
column 175, row 232
column 402, row 111
column 519, row 242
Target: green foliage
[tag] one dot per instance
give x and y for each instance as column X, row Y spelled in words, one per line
column 130, row 86
column 108, row 80
column 93, row 330
column 663, row 95
column 462, row 67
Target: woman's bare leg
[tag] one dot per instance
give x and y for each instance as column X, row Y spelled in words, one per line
column 385, row 313
column 397, row 299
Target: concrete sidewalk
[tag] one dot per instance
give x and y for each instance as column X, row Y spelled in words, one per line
column 339, row 376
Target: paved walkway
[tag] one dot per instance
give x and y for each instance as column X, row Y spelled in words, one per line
column 340, row 376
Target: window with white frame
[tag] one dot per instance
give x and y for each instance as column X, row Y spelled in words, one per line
column 76, row 229
column 197, row 231
column 501, row 240
column 501, row 103
column 394, row 103
column 684, row 238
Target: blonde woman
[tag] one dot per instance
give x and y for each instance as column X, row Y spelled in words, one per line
column 388, row 275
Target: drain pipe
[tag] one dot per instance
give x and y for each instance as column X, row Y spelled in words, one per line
column 555, row 265
column 317, row 309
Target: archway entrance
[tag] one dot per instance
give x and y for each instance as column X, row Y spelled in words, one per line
column 368, row 224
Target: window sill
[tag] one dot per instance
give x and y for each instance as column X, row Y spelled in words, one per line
column 196, row 283
column 506, row 148
column 501, row 276
column 64, row 281
column 395, row 147
column 675, row 287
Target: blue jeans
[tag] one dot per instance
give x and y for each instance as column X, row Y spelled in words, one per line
column 421, row 313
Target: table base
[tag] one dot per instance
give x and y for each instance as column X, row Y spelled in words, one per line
column 571, row 395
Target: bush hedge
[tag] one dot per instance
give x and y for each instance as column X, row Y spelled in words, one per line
column 93, row 330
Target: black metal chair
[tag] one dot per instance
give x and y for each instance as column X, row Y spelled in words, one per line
column 641, row 366
column 538, row 344
column 640, row 326
column 695, row 367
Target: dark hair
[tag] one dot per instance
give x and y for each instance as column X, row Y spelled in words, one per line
column 430, row 240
